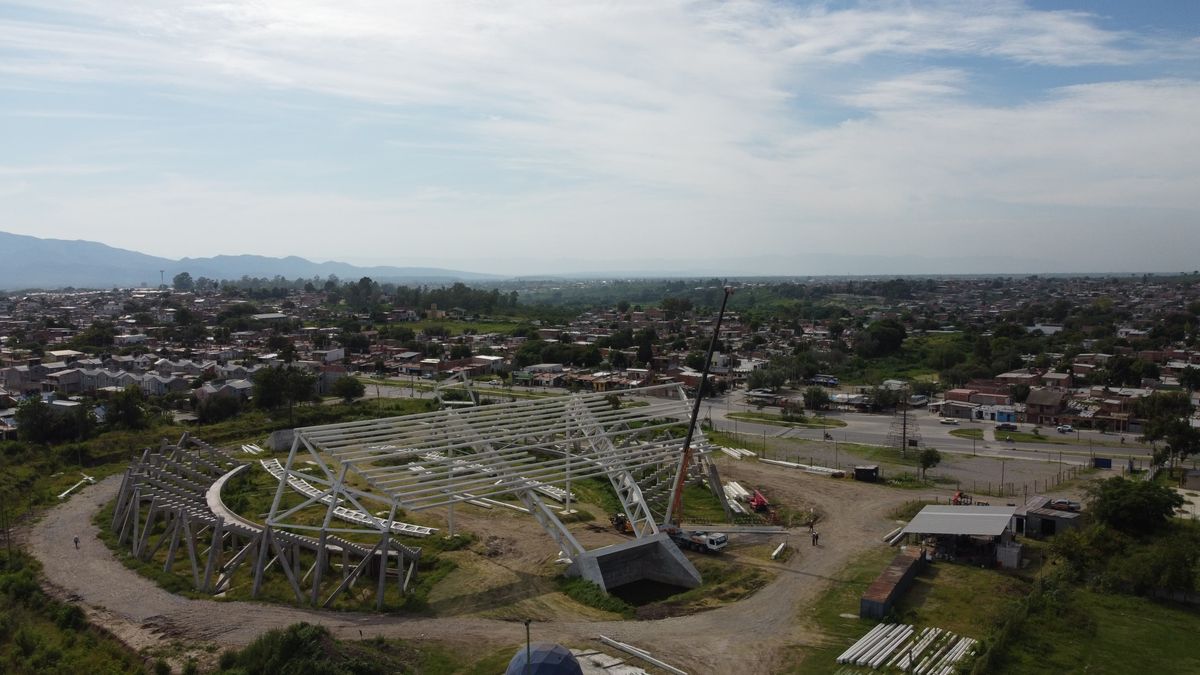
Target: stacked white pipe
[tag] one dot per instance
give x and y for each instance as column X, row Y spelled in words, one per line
column 807, row 468
column 934, row 651
column 735, row 496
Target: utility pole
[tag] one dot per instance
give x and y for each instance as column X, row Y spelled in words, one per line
column 528, row 657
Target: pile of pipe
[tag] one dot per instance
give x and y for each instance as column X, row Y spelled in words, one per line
column 894, row 537
column 736, row 496
column 737, row 453
column 933, row 651
column 808, row 468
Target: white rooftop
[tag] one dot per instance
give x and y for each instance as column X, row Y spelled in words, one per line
column 989, row 521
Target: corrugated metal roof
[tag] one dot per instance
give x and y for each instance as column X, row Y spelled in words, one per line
column 990, row 521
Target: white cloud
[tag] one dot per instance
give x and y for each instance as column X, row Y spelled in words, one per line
column 919, row 88
column 687, row 127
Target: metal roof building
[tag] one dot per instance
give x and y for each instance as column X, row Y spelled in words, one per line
column 984, row 521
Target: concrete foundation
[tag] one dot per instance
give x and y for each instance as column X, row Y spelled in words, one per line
column 654, row 558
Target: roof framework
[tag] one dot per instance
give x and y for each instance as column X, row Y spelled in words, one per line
column 522, row 448
column 990, row 521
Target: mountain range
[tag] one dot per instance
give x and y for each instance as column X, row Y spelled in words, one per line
column 32, row 262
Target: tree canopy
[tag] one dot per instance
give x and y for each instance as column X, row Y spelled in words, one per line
column 348, row 388
column 1133, row 507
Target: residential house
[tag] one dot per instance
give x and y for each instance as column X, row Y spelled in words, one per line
column 1045, row 406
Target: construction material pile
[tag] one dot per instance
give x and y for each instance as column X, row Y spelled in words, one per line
column 808, row 468
column 933, row 651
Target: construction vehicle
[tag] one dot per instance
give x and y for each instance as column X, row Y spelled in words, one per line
column 620, row 523
column 759, row 502
column 961, row 498
column 696, row 540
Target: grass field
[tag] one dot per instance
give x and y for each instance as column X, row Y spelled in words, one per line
column 459, row 327
column 781, row 421
column 835, row 614
column 977, row 434
column 1092, row 632
column 955, row 597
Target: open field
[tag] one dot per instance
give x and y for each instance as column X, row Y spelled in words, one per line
column 1091, row 632
column 793, row 421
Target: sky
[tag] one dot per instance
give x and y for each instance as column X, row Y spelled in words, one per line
column 551, row 137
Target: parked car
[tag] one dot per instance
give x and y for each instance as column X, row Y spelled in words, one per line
column 948, row 420
column 1064, row 505
column 1006, row 426
column 1064, row 428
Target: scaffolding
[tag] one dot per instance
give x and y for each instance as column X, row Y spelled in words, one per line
column 170, row 501
column 527, row 449
column 345, row 489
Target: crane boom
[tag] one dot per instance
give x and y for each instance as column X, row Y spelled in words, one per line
column 675, row 508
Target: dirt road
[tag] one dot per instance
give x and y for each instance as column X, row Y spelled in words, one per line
column 746, row 636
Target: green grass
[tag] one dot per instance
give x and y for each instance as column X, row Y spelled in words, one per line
column 826, row 615
column 39, row 634
column 307, row 648
column 598, row 492
column 459, row 327
column 699, row 505
column 959, row 598
column 781, row 421
column 1090, row 632
column 908, row 510
column 588, row 593
column 976, row 434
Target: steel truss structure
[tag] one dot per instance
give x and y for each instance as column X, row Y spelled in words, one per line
column 526, row 449
column 172, row 498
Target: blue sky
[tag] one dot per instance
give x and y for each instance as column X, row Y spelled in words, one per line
column 553, row 137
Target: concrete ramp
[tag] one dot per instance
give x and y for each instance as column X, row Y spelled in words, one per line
column 653, row 558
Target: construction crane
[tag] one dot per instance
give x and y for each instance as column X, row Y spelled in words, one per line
column 675, row 507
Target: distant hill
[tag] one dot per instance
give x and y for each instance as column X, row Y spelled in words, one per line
column 31, row 262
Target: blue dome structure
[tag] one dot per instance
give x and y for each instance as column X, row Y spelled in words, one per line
column 545, row 658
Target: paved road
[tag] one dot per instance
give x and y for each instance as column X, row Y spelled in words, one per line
column 871, row 429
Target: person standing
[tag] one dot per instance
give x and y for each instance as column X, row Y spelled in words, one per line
column 815, row 535
column 76, row 543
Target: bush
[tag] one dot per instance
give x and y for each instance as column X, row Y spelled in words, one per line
column 588, row 593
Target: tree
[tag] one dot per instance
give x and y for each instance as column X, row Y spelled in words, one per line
column 277, row 386
column 348, row 388
column 694, row 360
column 1133, row 507
column 125, row 411
column 929, row 458
column 217, row 408
column 816, row 398
column 881, row 338
column 1189, row 377
column 37, row 422
column 183, row 282
column 1181, row 438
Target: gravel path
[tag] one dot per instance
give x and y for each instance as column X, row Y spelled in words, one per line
column 744, row 636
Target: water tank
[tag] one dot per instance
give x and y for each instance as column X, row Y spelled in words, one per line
column 545, row 658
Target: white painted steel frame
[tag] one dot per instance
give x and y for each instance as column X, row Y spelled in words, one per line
column 512, row 448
